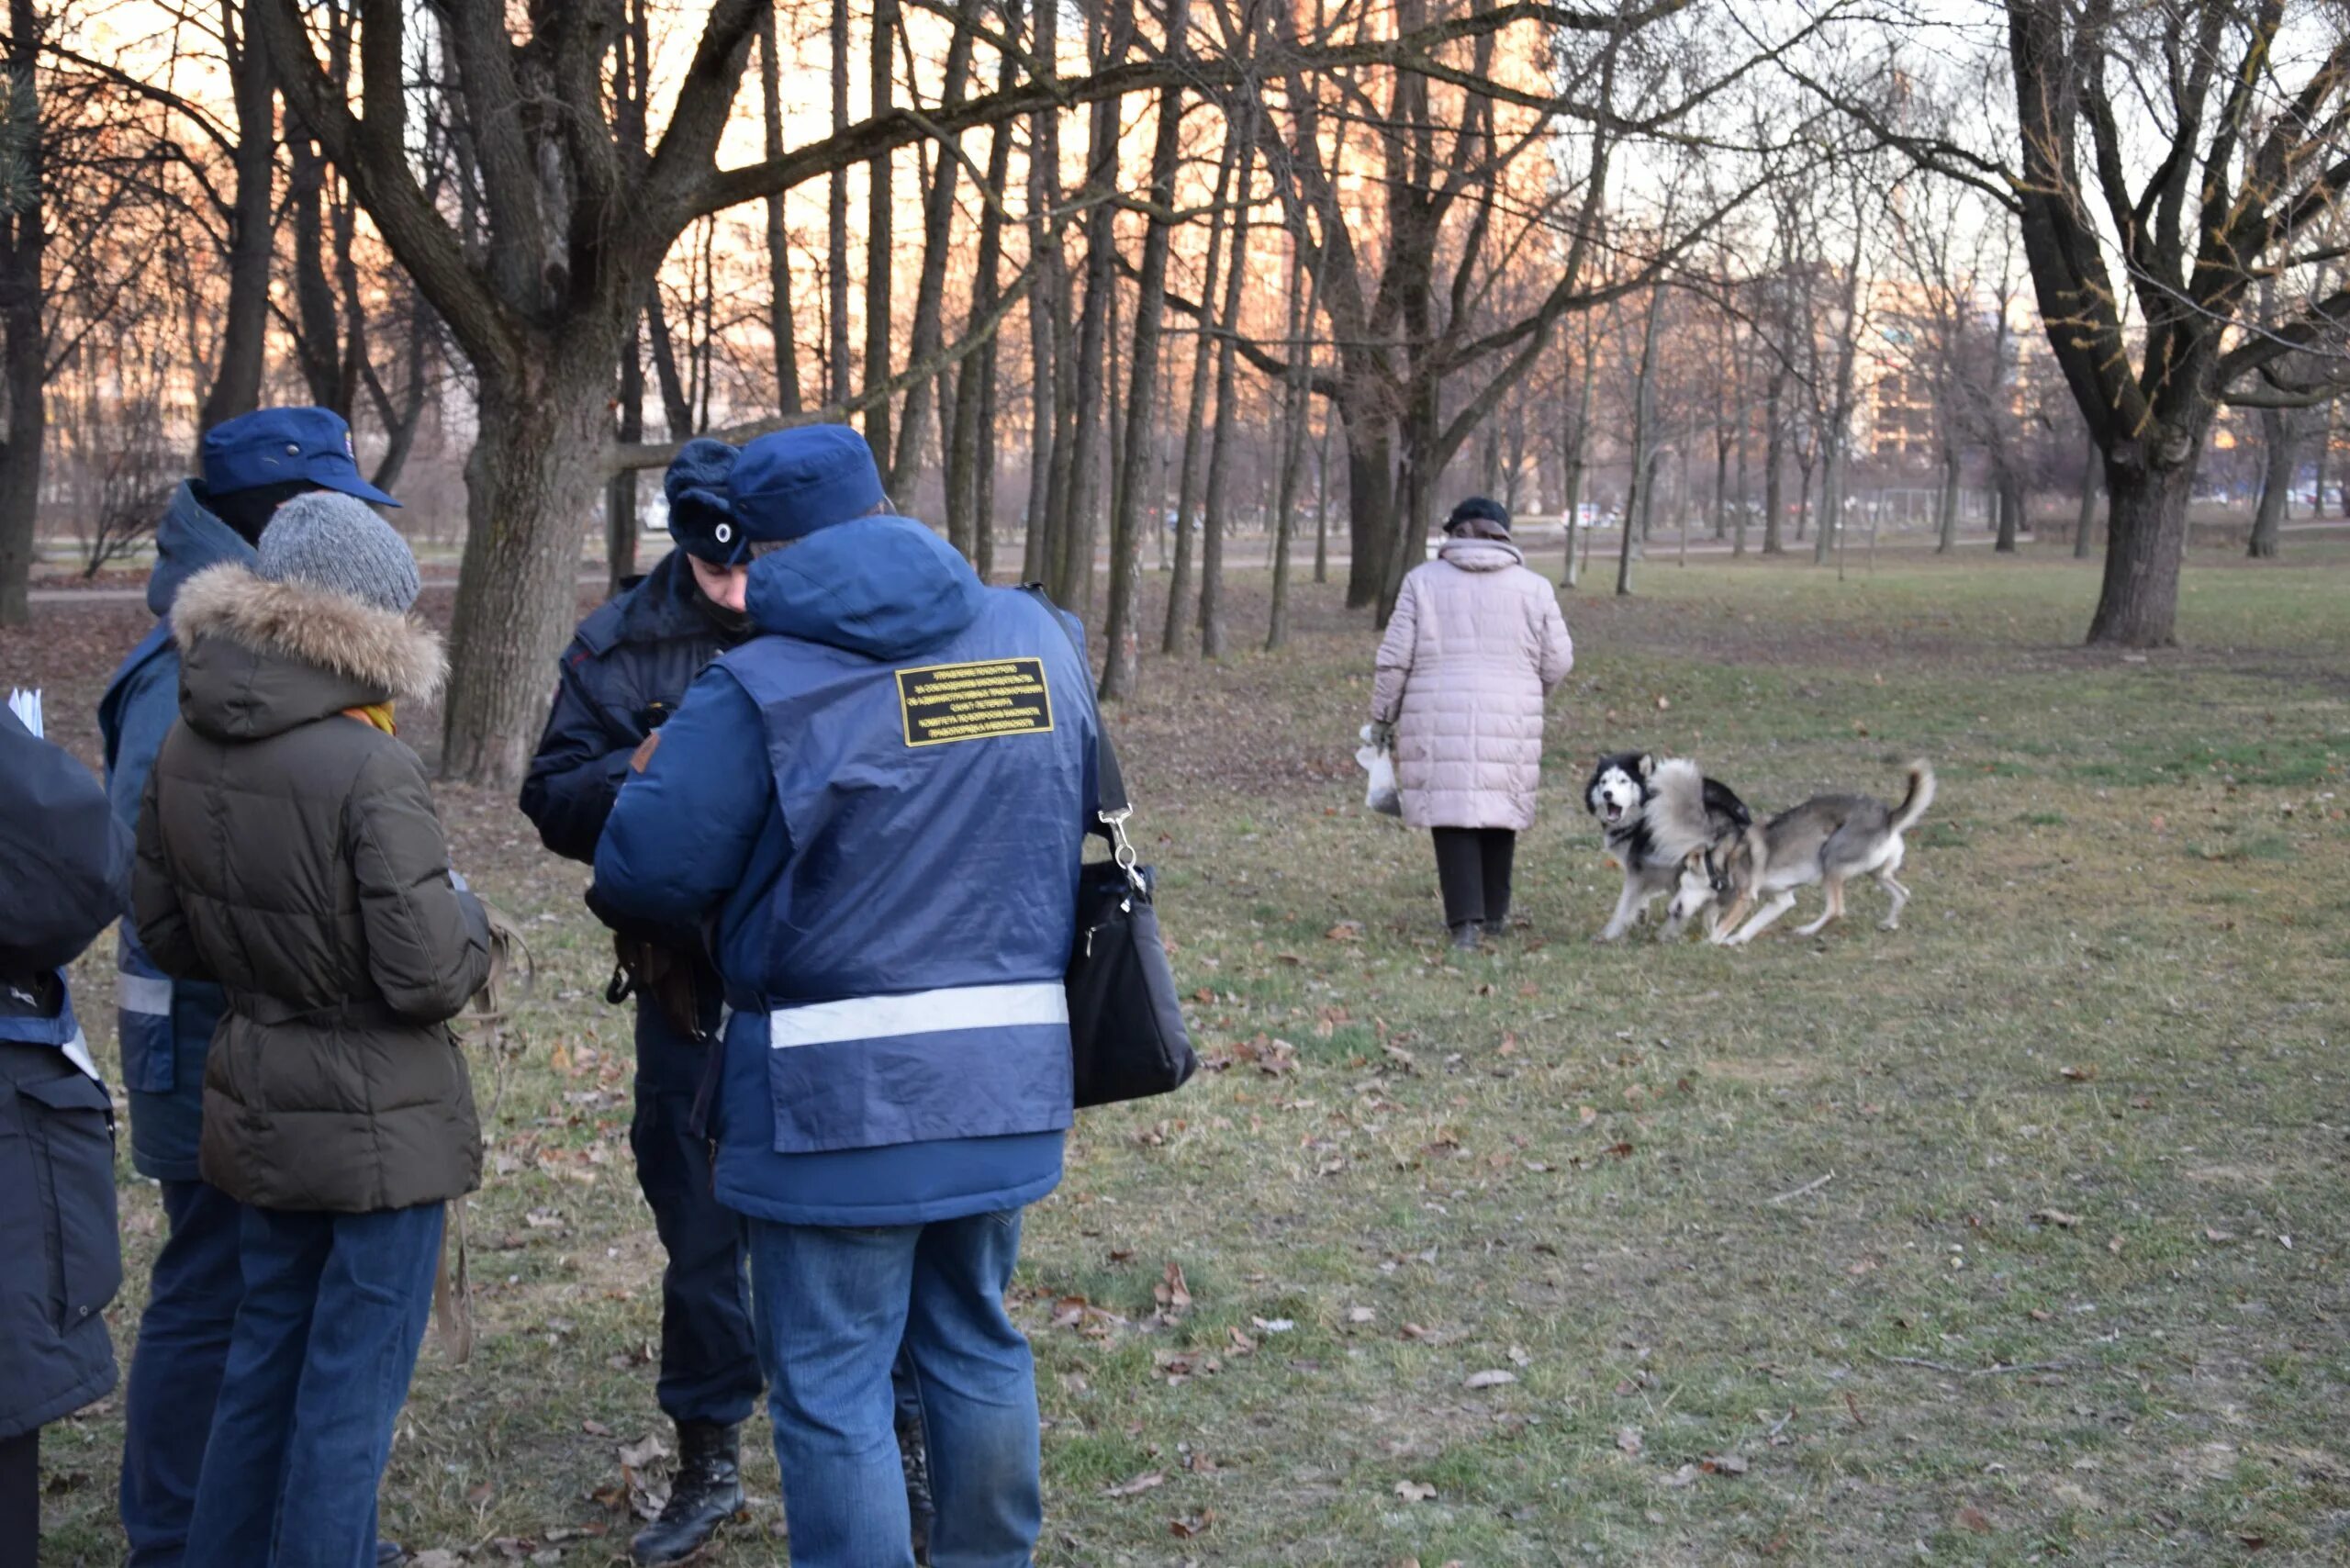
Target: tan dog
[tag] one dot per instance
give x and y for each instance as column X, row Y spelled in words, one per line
column 1828, row 839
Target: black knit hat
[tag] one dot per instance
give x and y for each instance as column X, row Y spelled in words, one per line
column 1476, row 508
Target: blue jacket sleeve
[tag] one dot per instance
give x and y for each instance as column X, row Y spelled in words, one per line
column 577, row 771
column 150, row 704
column 64, row 856
column 681, row 832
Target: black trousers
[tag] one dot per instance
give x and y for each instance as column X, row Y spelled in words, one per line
column 20, row 1498
column 1472, row 868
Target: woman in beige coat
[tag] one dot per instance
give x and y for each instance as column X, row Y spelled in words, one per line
column 1475, row 646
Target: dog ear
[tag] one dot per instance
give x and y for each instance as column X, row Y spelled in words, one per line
column 1648, row 765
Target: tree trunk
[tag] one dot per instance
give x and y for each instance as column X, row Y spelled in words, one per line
column 1123, row 635
column 619, row 493
column 880, row 242
column 1322, row 504
column 1637, row 501
column 779, row 326
column 1574, row 459
column 1089, row 390
column 1047, row 303
column 24, row 241
column 1238, row 160
column 930, row 288
column 2088, row 519
column 1220, row 444
column 1775, row 463
column 1303, row 302
column 1832, row 501
column 1946, row 511
column 2011, row 512
column 1745, row 374
column 2145, row 546
column 2276, row 483
column 533, row 475
column 842, row 384
column 968, row 455
column 236, row 386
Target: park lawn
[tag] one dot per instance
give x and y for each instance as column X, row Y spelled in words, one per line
column 2015, row 1235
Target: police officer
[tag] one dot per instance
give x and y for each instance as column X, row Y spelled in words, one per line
column 252, row 465
column 64, row 876
column 624, row 674
column 880, row 800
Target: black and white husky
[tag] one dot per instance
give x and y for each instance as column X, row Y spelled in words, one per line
column 1654, row 811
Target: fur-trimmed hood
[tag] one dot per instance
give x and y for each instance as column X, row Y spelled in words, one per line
column 259, row 657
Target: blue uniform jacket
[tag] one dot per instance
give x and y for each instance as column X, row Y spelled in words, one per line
column 626, row 671
column 880, row 802
column 165, row 1025
column 65, row 874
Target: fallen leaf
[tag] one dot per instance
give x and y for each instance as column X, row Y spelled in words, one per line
column 1360, row 1314
column 1415, row 1491
column 1493, row 1377
column 1345, row 930
column 2083, row 1074
column 436, row 1558
column 2057, row 1217
column 1972, row 1518
column 1188, row 1527
column 595, row 1428
column 1137, row 1486
column 2211, row 1235
column 1174, row 1296
column 1682, row 1476
column 1727, row 1465
column 1629, row 1439
column 1273, row 1324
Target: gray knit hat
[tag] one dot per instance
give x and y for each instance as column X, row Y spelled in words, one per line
column 335, row 542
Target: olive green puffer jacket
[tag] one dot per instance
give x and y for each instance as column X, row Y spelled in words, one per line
column 291, row 852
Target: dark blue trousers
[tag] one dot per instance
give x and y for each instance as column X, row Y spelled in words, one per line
column 175, row 1370
column 709, row 1362
column 325, row 1339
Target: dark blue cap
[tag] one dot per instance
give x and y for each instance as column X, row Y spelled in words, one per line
column 270, row 446
column 701, row 514
column 791, row 483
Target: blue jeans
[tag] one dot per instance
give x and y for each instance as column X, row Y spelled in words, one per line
column 334, row 1313
column 175, row 1371
column 834, row 1306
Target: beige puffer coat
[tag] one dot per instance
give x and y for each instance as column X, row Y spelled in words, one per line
column 1475, row 645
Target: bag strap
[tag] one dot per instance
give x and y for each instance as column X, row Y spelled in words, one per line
column 1109, row 780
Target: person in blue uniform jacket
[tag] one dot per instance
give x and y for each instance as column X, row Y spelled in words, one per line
column 877, row 804
column 252, row 465
column 64, row 876
column 626, row 672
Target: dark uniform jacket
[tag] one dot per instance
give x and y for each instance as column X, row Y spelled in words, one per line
column 626, row 672
column 291, row 852
column 64, row 868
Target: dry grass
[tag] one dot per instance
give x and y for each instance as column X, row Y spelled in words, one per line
column 2073, row 1291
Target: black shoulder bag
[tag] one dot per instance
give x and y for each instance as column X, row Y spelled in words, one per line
column 1127, row 1040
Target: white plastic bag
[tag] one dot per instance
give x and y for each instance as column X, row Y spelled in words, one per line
column 1380, row 794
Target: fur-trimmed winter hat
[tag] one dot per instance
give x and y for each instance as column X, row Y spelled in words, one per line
column 701, row 514
column 333, row 541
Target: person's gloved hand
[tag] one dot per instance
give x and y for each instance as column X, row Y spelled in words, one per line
column 1381, row 734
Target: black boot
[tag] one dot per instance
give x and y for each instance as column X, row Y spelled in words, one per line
column 916, row 1459
column 389, row 1553
column 1466, row 935
column 707, row 1492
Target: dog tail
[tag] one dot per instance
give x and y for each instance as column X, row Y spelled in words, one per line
column 1913, row 804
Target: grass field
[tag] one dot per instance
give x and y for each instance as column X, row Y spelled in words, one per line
column 2015, row 1236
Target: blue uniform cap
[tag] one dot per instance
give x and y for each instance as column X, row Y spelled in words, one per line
column 701, row 514
column 791, row 483
column 270, row 446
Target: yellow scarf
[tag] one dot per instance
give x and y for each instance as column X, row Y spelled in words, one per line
column 377, row 713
